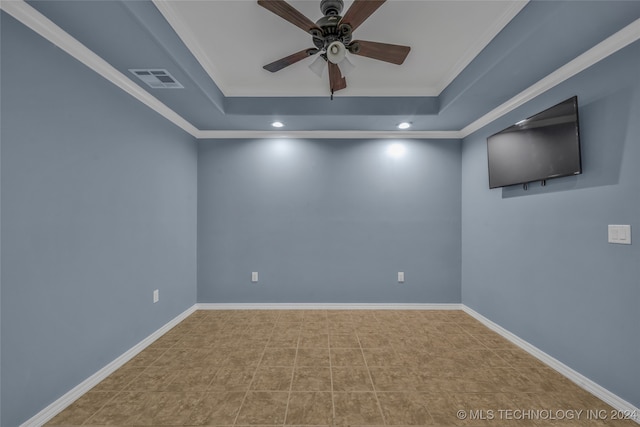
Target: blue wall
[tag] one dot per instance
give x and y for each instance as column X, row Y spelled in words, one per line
column 328, row 221
column 538, row 263
column 98, row 210
column 104, row 201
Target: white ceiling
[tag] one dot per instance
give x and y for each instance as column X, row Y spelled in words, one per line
column 233, row 39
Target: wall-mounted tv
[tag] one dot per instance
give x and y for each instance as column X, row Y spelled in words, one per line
column 544, row 146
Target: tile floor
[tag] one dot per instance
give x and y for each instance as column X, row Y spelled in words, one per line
column 335, row 368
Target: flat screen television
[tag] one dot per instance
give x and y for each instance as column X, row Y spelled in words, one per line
column 544, row 146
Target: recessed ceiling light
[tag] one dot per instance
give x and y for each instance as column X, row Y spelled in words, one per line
column 404, row 125
column 277, row 124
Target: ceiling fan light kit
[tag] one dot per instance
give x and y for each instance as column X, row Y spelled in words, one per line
column 336, row 52
column 331, row 36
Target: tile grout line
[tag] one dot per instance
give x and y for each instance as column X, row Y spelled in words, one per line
column 333, row 404
column 375, row 393
column 253, row 377
column 293, row 371
column 429, row 412
column 204, row 392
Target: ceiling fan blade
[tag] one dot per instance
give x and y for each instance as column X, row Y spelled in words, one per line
column 336, row 81
column 393, row 53
column 289, row 13
column 359, row 11
column 291, row 59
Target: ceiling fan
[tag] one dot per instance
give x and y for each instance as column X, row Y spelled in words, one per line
column 331, row 36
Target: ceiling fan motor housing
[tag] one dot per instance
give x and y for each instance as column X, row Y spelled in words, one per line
column 331, row 7
column 332, row 31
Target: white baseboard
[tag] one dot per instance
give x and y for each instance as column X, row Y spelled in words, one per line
column 75, row 393
column 592, row 387
column 327, row 306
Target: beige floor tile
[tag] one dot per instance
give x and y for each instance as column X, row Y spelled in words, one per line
column 339, row 316
column 494, row 341
column 192, row 379
column 232, row 379
column 482, row 358
column 83, row 408
column 393, row 379
column 200, row 340
column 153, row 378
column 351, row 379
column 263, row 408
column 518, row 358
column 312, row 357
column 272, row 378
column 314, row 315
column 291, row 316
column 347, row 357
column 314, row 340
column 278, row 357
column 374, row 340
column 464, row 341
column 340, row 328
column 310, row 408
column 314, row 328
column 242, row 357
column 357, row 409
column 417, row 359
column 283, row 341
column 405, row 408
column 147, row 357
column 123, row 409
column 217, row 367
column 309, row 378
column 442, row 408
column 344, row 340
column 541, row 380
column 174, row 358
column 167, row 408
column 386, row 356
column 219, row 408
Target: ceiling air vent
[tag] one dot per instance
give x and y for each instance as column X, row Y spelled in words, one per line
column 157, row 78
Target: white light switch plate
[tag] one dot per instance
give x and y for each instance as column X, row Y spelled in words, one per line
column 254, row 276
column 620, row 234
column 400, row 276
column 156, row 296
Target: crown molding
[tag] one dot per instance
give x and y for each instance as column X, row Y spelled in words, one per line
column 605, row 48
column 328, row 134
column 43, row 26
column 33, row 19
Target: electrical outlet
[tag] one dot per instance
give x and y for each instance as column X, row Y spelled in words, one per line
column 156, row 296
column 254, row 276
